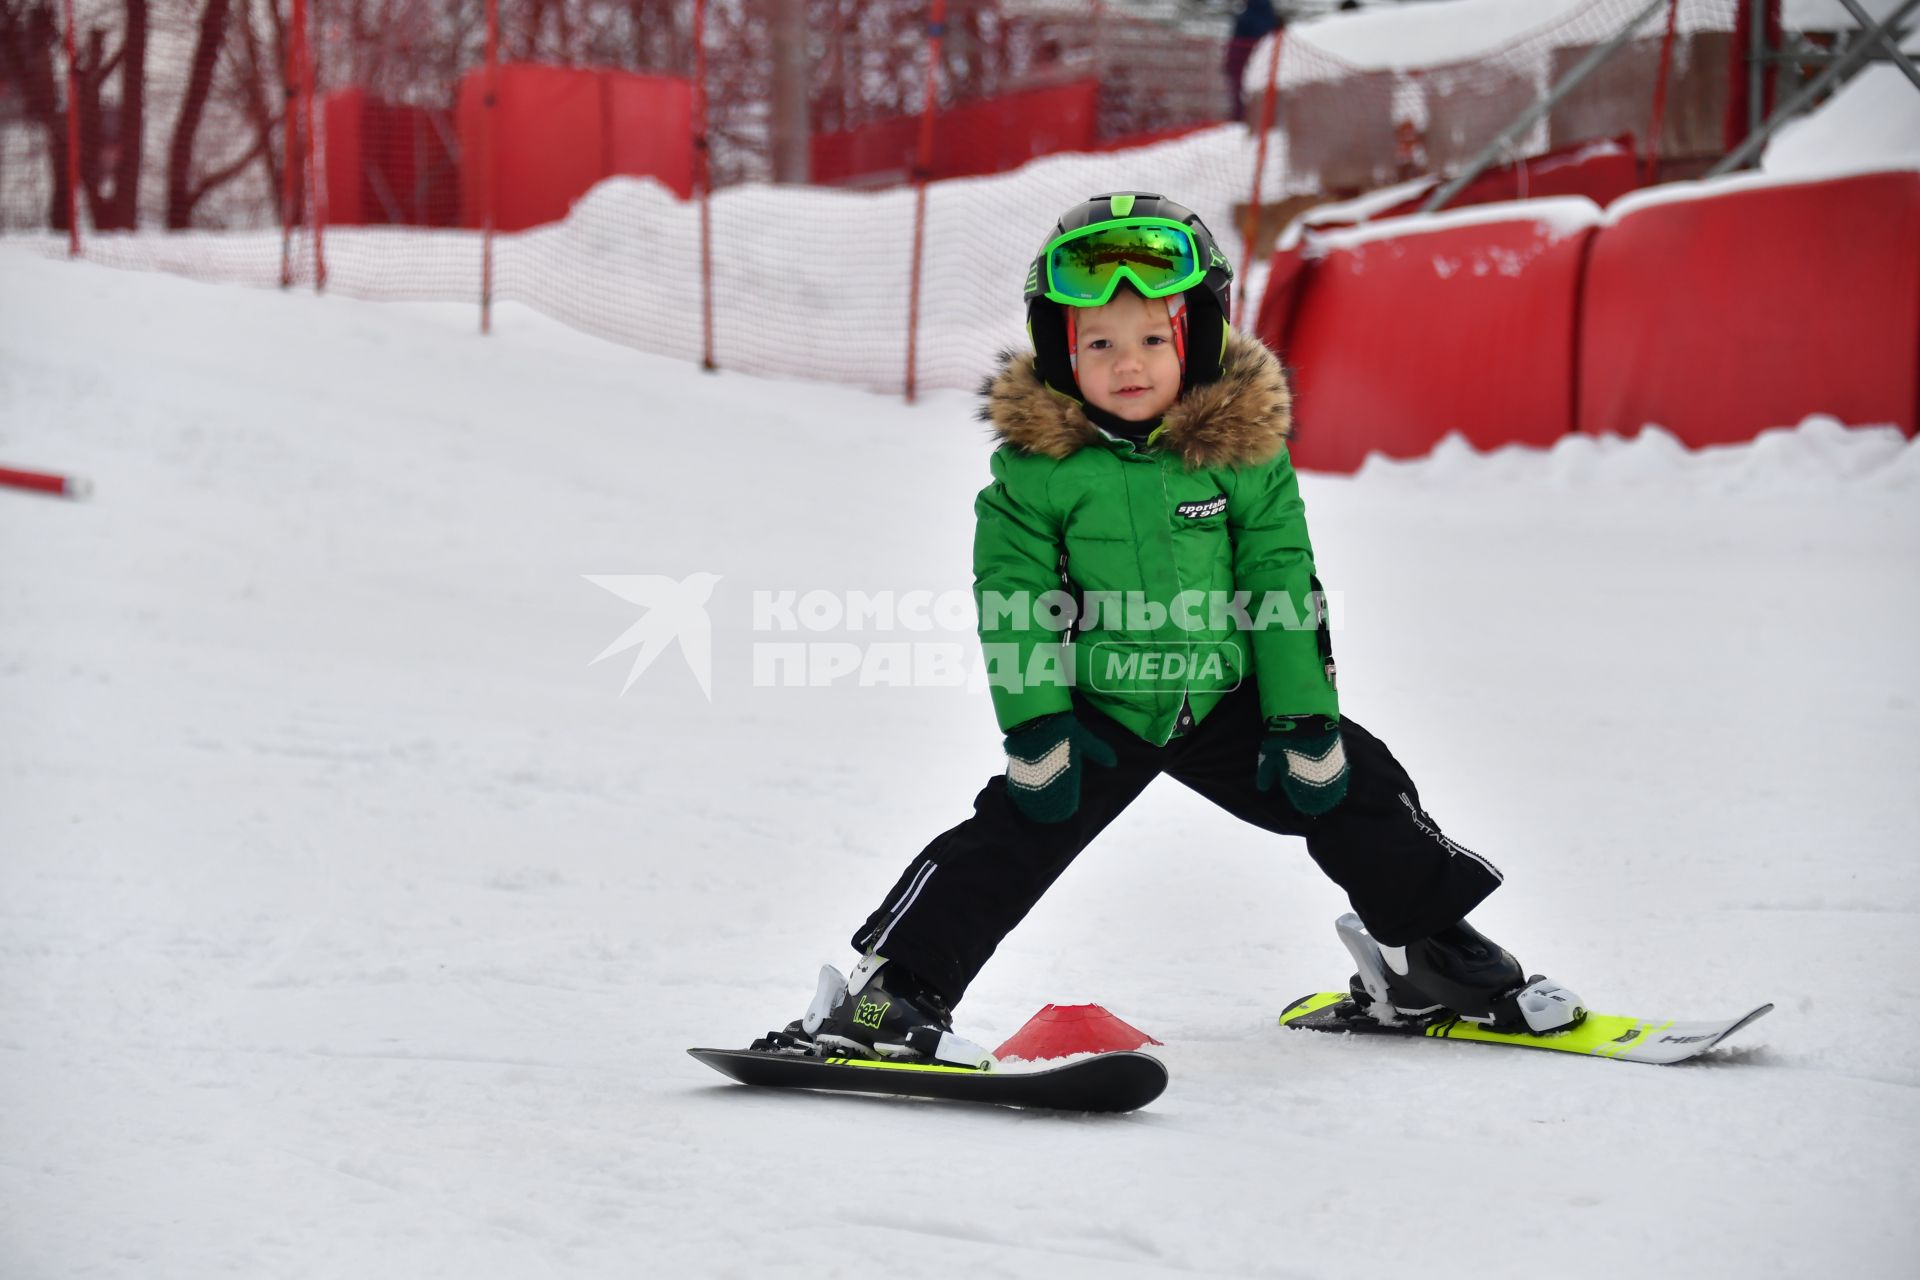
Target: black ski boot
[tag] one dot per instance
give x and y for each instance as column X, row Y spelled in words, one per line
column 1458, row 972
column 877, row 1015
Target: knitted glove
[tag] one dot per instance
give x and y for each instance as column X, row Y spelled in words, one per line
column 1305, row 754
column 1044, row 759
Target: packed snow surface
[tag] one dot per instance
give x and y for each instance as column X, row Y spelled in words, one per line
column 353, row 924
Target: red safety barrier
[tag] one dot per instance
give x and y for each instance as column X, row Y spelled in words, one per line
column 649, row 128
column 987, row 135
column 1723, row 314
column 1601, row 171
column 1399, row 339
column 1280, row 300
column 389, row 164
column 1150, row 137
column 559, row 130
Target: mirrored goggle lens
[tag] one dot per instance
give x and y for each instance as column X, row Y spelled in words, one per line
column 1162, row 260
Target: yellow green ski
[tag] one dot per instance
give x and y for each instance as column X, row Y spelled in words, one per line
column 1600, row 1035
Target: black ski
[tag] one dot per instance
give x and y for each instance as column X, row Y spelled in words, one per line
column 1105, row 1082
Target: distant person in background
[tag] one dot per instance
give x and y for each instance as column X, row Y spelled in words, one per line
column 1256, row 22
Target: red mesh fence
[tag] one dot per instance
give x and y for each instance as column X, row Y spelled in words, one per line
column 572, row 131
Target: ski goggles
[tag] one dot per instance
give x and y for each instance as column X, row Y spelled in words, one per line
column 1157, row 255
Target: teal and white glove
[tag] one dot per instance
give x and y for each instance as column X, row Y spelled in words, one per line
column 1044, row 761
column 1305, row 754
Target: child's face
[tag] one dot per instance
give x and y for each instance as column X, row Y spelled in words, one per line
column 1127, row 362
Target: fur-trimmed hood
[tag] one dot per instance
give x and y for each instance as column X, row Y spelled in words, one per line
column 1241, row 420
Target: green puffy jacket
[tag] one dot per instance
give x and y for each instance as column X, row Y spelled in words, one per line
column 1170, row 572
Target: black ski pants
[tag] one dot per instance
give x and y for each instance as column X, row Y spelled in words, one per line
column 971, row 886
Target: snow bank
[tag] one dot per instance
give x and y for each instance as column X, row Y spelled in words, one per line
column 1558, row 217
column 1820, row 456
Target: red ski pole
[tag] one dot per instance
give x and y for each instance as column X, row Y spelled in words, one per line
column 46, row 482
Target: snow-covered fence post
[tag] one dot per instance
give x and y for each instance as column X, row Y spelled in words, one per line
column 922, row 169
column 289, row 165
column 316, row 185
column 703, row 179
column 489, row 103
column 299, row 201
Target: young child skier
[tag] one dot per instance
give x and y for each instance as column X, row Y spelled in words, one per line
column 1143, row 472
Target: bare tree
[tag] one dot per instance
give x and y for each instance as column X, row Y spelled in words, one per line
column 111, row 123
column 183, row 193
column 256, row 69
column 115, row 133
column 29, row 37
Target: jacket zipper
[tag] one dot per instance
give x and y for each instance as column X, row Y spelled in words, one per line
column 1180, row 589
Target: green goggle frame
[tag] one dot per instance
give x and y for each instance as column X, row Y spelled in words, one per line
column 1159, row 256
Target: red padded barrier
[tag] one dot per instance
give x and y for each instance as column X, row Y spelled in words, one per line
column 1601, row 171
column 1720, row 316
column 1398, row 340
column 1005, row 132
column 882, row 151
column 559, row 130
column 1280, row 299
column 988, row 135
column 1170, row 134
column 388, row 163
column 649, row 130
column 547, row 144
column 345, row 115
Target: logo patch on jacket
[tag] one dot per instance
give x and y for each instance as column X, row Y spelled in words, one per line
column 1201, row 510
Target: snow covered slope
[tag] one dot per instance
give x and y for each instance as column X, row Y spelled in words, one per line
column 352, row 925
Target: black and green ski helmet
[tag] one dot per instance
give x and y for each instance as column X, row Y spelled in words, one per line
column 1209, row 303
